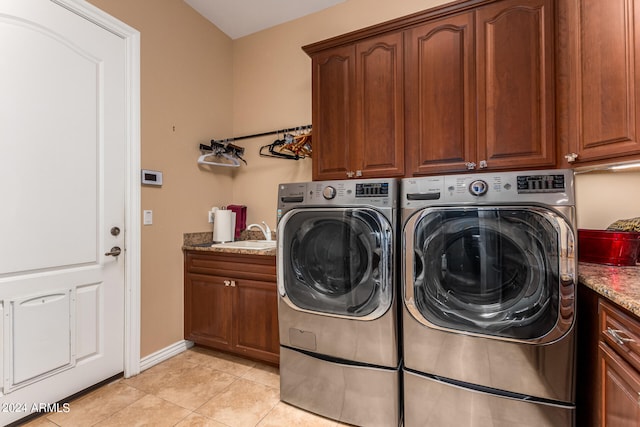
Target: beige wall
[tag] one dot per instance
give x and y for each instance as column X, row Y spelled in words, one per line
column 603, row 197
column 272, row 90
column 194, row 78
column 186, row 74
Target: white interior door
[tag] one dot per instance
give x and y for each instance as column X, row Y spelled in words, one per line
column 62, row 190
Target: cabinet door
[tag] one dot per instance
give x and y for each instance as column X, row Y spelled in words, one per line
column 379, row 118
column 515, row 84
column 440, row 94
column 598, row 85
column 620, row 390
column 255, row 319
column 208, row 310
column 333, row 93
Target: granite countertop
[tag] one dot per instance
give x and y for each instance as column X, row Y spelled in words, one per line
column 202, row 242
column 620, row 285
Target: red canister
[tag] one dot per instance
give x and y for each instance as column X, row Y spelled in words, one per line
column 608, row 247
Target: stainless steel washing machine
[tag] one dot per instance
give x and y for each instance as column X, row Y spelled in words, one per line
column 489, row 275
column 337, row 306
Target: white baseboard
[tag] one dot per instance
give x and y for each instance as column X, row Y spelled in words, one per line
column 164, row 354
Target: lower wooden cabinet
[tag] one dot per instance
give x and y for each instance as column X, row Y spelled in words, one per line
column 231, row 303
column 608, row 380
column 619, row 366
column 620, row 398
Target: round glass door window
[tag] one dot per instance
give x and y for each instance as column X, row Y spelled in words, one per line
column 338, row 261
column 487, row 270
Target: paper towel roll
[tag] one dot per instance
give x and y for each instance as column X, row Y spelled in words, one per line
column 223, row 226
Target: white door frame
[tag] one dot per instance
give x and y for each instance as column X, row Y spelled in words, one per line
column 131, row 38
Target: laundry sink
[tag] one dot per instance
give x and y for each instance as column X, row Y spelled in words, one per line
column 247, row 244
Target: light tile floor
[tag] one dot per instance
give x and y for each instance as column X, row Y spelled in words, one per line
column 198, row 387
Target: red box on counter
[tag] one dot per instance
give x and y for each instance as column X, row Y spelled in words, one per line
column 608, row 247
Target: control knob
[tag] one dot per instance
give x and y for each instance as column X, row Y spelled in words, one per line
column 329, row 192
column 478, row 187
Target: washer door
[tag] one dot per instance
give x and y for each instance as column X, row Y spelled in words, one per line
column 499, row 271
column 336, row 261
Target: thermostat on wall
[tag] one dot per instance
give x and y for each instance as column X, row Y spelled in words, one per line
column 150, row 177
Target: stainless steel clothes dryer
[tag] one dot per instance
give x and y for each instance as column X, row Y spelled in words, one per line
column 489, row 276
column 337, row 305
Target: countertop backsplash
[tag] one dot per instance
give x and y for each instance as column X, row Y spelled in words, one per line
column 201, row 242
column 191, row 239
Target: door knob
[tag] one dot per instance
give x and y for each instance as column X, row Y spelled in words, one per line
column 115, row 251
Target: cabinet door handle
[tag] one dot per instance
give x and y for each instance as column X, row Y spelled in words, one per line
column 358, row 173
column 233, row 283
column 350, row 174
column 571, row 157
column 615, row 335
column 470, row 165
column 483, row 164
column 227, row 283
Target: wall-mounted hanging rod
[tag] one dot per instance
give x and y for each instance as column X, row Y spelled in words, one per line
column 273, row 132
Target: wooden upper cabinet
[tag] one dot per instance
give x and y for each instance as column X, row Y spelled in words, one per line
column 333, row 93
column 480, row 89
column 379, row 120
column 358, row 103
column 465, row 86
column 440, row 88
column 515, row 84
column 599, row 79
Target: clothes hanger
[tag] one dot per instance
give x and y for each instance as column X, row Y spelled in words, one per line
column 225, row 154
column 273, row 149
column 230, row 161
column 300, row 145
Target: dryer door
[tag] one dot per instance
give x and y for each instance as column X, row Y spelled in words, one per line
column 336, row 261
column 501, row 271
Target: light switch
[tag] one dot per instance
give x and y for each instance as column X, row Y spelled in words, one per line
column 147, row 217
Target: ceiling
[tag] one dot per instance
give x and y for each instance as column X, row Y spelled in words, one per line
column 238, row 18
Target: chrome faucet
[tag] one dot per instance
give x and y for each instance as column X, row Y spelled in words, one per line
column 266, row 231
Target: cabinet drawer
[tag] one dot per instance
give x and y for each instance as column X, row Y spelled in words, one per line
column 257, row 267
column 621, row 332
